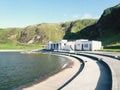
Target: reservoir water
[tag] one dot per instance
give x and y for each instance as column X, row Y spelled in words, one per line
column 18, row 70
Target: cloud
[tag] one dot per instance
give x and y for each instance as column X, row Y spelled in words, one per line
column 74, row 17
column 88, row 16
column 84, row 16
column 67, row 17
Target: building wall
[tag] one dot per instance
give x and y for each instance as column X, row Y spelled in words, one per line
column 88, row 45
column 80, row 45
column 69, row 46
column 61, row 44
column 96, row 45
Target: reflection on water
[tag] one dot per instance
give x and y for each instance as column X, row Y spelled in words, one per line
column 20, row 69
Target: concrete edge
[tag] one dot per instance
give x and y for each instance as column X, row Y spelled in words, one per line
column 80, row 70
column 113, row 74
column 107, row 55
column 113, row 79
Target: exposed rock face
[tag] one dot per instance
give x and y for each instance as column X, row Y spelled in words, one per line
column 42, row 33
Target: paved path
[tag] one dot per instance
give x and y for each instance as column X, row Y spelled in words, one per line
column 112, row 54
column 109, row 53
column 93, row 77
column 115, row 66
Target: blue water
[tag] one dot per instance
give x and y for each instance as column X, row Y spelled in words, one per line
column 18, row 70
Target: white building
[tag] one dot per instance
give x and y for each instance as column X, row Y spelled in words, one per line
column 79, row 45
column 48, row 46
column 85, row 45
column 69, row 46
column 56, row 46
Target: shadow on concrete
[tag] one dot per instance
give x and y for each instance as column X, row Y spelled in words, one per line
column 105, row 79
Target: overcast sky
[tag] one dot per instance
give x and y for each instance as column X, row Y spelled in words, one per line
column 20, row 13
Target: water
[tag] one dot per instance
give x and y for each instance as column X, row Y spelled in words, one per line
column 22, row 69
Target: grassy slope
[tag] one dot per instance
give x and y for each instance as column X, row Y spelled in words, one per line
column 9, row 36
column 107, row 29
column 80, row 24
column 17, row 38
column 111, row 38
column 110, row 21
column 53, row 31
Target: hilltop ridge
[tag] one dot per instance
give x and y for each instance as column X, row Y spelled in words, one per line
column 107, row 28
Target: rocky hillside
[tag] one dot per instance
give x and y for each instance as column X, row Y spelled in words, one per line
column 107, row 29
column 42, row 33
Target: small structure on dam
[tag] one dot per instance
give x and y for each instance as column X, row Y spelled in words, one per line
column 78, row 45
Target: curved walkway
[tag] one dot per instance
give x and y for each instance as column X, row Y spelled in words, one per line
column 91, row 78
column 94, row 76
column 77, row 73
column 114, row 55
column 114, row 66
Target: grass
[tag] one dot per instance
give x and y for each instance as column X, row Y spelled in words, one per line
column 110, row 50
column 20, row 47
column 80, row 24
column 110, row 37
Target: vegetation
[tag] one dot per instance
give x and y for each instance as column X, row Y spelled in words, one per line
column 111, row 50
column 34, row 36
column 20, row 47
column 76, row 26
column 106, row 29
column 80, row 24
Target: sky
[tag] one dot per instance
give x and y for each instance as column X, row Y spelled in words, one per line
column 21, row 13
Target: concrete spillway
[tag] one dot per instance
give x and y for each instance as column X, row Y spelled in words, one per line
column 95, row 76
column 114, row 65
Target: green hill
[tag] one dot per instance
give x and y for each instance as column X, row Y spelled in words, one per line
column 42, row 33
column 77, row 26
column 39, row 34
column 107, row 29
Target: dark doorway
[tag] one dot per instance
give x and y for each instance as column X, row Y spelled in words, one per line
column 82, row 47
column 90, row 47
